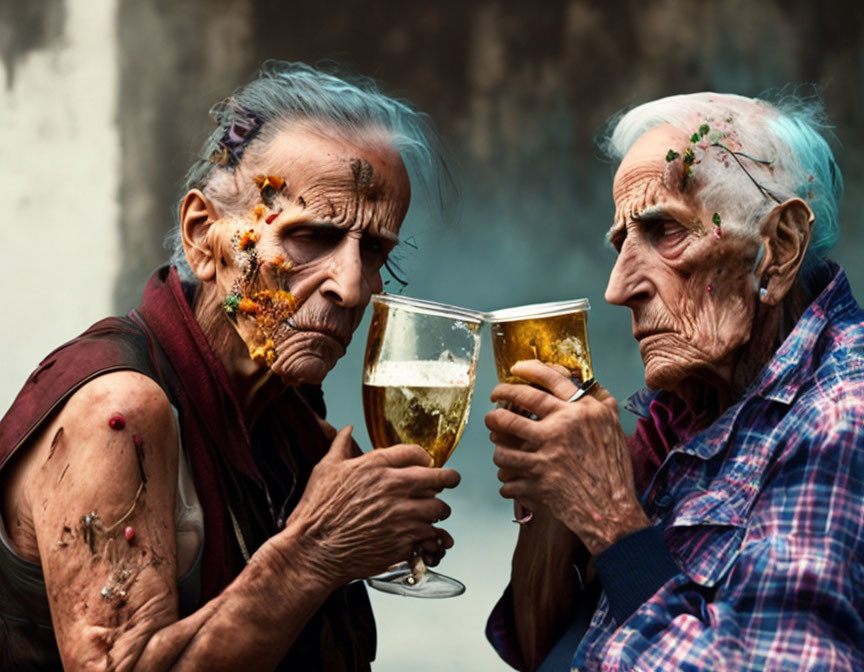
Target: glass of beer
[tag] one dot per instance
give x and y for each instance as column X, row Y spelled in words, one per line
column 418, row 379
column 554, row 333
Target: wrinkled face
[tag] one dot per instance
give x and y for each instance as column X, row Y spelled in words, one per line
column 298, row 267
column 687, row 281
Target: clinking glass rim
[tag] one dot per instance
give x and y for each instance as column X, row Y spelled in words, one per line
column 430, row 307
column 535, row 310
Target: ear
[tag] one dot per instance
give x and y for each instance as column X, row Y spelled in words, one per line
column 785, row 234
column 197, row 214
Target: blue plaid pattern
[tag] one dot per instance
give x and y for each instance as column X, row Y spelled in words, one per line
column 764, row 514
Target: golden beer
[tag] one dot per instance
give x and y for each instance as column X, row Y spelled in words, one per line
column 554, row 333
column 422, row 402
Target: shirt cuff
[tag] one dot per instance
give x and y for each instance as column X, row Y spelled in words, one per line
column 501, row 631
column 633, row 569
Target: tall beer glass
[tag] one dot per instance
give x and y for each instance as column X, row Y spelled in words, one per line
column 418, row 379
column 553, row 333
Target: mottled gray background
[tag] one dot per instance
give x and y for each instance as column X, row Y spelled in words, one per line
column 104, row 103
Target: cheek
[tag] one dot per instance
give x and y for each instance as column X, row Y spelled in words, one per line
column 721, row 303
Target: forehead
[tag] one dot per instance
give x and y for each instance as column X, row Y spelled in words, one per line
column 646, row 159
column 307, row 157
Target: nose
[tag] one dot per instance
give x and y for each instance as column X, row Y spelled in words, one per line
column 629, row 282
column 346, row 284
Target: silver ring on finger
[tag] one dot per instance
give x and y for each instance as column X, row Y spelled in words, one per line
column 584, row 389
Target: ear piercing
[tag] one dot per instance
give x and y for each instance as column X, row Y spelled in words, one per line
column 763, row 293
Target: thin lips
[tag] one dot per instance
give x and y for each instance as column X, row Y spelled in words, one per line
column 339, row 336
column 641, row 335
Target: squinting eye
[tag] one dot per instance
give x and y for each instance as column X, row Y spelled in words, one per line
column 667, row 236
column 374, row 251
column 306, row 243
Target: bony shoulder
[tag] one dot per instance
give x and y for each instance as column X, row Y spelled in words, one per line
column 120, row 398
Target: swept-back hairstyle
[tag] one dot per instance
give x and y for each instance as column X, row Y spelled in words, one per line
column 331, row 102
column 783, row 155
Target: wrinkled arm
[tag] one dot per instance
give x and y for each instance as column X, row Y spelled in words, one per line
column 539, row 603
column 103, row 518
column 114, row 600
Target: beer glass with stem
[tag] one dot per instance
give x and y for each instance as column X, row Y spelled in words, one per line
column 418, row 379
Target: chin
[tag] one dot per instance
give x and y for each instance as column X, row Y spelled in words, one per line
column 659, row 377
column 305, row 368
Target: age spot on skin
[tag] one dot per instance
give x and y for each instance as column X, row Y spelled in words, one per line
column 67, row 531
column 363, row 173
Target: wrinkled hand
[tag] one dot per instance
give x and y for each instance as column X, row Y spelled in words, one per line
column 573, row 459
column 364, row 513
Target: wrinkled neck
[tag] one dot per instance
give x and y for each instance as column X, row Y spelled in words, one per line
column 771, row 326
column 254, row 385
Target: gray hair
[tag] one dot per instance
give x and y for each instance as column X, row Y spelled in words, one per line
column 784, row 155
column 284, row 93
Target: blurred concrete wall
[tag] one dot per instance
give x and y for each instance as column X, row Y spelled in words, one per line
column 104, row 104
column 59, row 163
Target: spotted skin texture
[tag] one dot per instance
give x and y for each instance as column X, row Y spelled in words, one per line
column 667, row 258
column 106, row 595
column 305, row 277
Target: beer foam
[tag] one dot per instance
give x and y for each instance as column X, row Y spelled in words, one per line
column 420, row 374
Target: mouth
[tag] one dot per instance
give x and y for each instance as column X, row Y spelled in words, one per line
column 338, row 335
column 648, row 333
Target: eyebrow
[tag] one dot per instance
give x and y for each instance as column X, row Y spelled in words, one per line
column 652, row 214
column 655, row 213
column 384, row 234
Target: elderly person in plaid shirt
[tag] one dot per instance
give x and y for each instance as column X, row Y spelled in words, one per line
column 728, row 532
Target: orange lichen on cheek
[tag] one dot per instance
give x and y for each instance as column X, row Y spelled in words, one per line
column 282, row 264
column 266, row 352
column 248, row 307
column 248, row 239
column 259, row 211
column 278, row 298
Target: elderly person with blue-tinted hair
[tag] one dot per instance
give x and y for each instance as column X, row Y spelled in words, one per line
column 728, row 532
column 172, row 496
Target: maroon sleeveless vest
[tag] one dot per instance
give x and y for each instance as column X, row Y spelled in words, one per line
column 163, row 341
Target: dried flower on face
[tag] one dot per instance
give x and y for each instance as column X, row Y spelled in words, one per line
column 269, row 186
column 248, row 239
column 231, row 303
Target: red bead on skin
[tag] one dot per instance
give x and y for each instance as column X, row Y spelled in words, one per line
column 709, row 289
column 117, row 422
column 270, row 218
column 718, row 233
column 129, row 533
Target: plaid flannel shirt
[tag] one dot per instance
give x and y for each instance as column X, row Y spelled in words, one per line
column 763, row 512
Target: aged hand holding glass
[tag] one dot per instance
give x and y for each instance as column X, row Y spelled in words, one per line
column 418, row 379
column 571, row 454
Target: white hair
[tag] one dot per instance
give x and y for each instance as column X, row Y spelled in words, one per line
column 748, row 156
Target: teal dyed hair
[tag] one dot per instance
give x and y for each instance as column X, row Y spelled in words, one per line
column 787, row 135
column 330, row 101
column 800, row 125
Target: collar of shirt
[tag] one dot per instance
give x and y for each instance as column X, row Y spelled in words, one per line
column 780, row 380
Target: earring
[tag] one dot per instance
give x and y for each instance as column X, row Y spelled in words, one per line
column 762, row 293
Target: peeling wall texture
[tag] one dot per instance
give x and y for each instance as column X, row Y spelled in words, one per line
column 103, row 104
column 59, row 157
